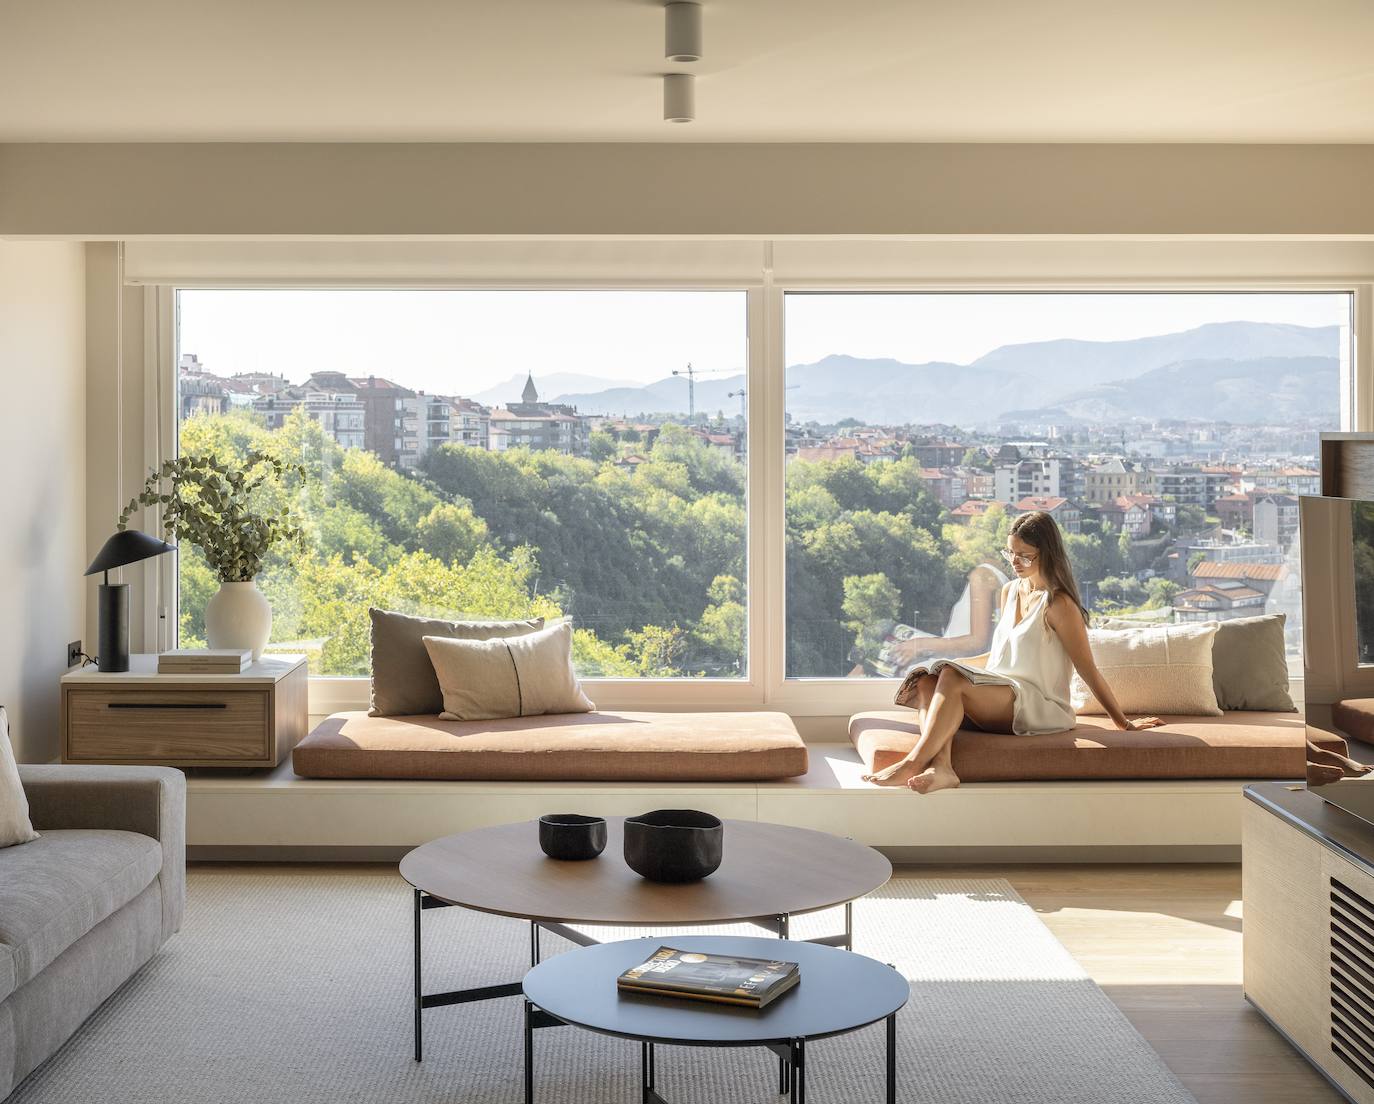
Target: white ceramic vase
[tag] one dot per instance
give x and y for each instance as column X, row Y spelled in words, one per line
column 238, row 616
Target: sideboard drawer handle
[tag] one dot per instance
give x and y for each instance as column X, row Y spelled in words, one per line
column 166, row 705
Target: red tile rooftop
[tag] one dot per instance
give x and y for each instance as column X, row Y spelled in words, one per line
column 1048, row 503
column 1226, row 569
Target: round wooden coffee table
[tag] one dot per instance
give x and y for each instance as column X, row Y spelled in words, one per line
column 838, row 993
column 770, row 873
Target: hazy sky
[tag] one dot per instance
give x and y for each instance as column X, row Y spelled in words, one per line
column 462, row 342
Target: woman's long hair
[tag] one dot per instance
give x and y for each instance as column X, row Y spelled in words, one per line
column 1041, row 532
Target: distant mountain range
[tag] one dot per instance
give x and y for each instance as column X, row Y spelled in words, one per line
column 1230, row 371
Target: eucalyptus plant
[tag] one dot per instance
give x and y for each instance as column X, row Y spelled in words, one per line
column 212, row 505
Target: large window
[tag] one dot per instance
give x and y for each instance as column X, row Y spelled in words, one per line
column 487, row 454
column 1169, row 434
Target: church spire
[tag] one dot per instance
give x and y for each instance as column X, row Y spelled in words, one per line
column 530, row 394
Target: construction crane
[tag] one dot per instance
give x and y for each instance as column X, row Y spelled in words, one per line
column 740, row 393
column 691, row 374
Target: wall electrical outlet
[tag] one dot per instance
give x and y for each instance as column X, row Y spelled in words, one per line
column 74, row 653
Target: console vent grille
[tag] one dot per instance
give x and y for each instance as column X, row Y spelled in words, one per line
column 1352, row 980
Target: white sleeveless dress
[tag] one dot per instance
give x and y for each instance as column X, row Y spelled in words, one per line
column 1029, row 657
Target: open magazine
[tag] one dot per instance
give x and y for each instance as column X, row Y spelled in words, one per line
column 906, row 693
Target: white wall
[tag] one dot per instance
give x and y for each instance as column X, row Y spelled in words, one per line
column 43, row 472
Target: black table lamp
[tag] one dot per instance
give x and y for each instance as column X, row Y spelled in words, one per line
column 125, row 547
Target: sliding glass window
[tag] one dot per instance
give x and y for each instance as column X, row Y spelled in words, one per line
column 1169, row 435
column 487, row 454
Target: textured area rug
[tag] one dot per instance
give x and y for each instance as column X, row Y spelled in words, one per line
column 295, row 987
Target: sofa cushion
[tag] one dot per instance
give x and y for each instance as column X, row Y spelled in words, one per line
column 57, row 888
column 1234, row 745
column 587, row 747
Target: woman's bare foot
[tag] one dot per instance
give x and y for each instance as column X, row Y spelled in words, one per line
column 932, row 779
column 1322, row 774
column 896, row 775
column 1326, row 758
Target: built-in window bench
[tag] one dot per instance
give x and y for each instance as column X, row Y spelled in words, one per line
column 277, row 815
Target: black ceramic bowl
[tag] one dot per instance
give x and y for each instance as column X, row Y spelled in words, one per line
column 673, row 845
column 572, row 836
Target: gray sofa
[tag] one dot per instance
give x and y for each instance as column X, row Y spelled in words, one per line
column 86, row 904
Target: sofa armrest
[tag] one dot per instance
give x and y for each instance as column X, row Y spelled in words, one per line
column 150, row 800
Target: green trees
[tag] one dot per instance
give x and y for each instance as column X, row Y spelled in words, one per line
column 862, row 552
column 648, row 563
column 648, row 560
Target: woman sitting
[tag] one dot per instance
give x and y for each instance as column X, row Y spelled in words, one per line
column 1021, row 685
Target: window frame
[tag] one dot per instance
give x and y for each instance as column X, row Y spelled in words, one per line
column 765, row 684
column 335, row 693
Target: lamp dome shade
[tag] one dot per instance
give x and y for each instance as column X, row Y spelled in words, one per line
column 126, row 547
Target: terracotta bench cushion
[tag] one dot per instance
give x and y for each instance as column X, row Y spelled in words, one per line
column 1355, row 717
column 611, row 746
column 1235, row 745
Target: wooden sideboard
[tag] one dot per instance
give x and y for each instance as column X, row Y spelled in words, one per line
column 139, row 716
column 1308, row 889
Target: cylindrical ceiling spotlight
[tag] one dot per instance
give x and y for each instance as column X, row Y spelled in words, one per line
column 682, row 31
column 679, row 97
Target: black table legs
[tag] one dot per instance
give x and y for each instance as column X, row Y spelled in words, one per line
column 648, row 1095
column 892, row 1059
column 781, row 925
column 792, row 1053
column 419, row 999
column 425, row 1000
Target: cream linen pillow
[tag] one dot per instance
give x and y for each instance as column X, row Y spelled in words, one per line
column 403, row 682
column 1249, row 662
column 14, row 806
column 1163, row 669
column 517, row 676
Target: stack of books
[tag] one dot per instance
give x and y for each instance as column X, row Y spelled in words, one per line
column 726, row 979
column 204, row 661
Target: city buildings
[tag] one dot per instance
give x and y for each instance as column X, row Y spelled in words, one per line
column 1048, row 475
column 1106, row 482
column 392, row 420
column 1219, row 601
column 1127, row 513
column 1069, row 516
column 374, row 413
column 532, row 424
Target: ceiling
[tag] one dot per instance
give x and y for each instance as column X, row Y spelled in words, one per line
column 773, row 71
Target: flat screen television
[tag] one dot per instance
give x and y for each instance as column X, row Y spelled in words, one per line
column 1338, row 649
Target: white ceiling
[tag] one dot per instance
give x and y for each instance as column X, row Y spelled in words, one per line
column 774, row 70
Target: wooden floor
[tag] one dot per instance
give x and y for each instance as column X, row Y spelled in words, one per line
column 1164, row 942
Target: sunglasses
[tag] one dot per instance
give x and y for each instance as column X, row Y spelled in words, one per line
column 1018, row 558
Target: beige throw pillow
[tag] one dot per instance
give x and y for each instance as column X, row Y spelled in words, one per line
column 1163, row 669
column 403, row 681
column 1249, row 662
column 518, row 676
column 15, row 826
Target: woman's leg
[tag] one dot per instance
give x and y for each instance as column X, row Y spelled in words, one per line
column 902, row 769
column 1326, row 758
column 956, row 697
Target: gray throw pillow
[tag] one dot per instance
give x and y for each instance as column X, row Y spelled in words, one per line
column 1249, row 662
column 518, row 676
column 403, row 679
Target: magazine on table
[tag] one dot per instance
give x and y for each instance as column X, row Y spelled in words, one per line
column 727, row 979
